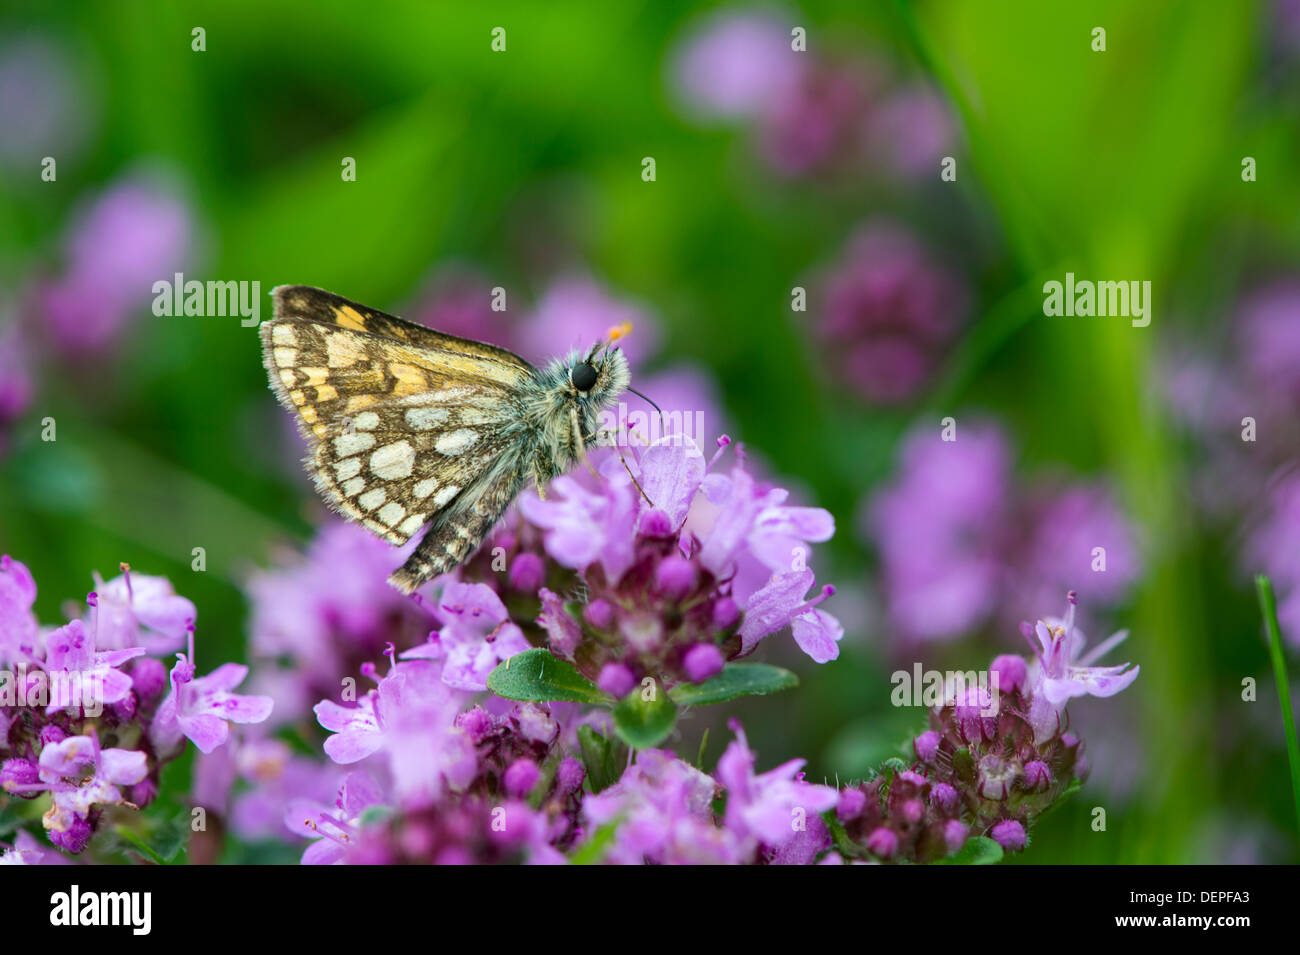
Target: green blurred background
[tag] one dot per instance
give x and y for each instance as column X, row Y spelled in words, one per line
column 1122, row 163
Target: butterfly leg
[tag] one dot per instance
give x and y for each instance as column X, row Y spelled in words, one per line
column 579, row 443
column 599, row 435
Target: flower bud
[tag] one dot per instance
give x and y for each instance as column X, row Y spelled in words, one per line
column 725, row 613
column 954, row 835
column 74, row 838
column 882, row 842
column 570, row 775
column 527, row 573
column 521, row 777
column 926, row 746
column 148, row 679
column 943, row 797
column 852, row 803
column 702, row 661
column 1038, row 775
column 598, row 614
column 616, row 680
column 1012, row 672
column 675, row 577
column 1009, row 834
column 19, row 772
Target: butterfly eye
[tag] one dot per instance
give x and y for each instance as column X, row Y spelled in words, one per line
column 583, row 376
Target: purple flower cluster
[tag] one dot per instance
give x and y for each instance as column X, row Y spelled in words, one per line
column 432, row 779
column 814, row 114
column 86, row 716
column 1242, row 407
column 317, row 618
column 997, row 755
column 959, row 537
column 886, row 313
column 662, row 811
column 675, row 588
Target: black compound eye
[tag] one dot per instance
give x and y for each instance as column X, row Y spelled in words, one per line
column 584, row 376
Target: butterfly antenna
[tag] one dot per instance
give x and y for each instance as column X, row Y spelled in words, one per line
column 652, row 405
column 635, row 482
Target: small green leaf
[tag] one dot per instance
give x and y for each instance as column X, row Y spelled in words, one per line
column 538, row 676
column 704, row 744
column 126, row 835
column 736, row 679
column 963, row 764
column 600, row 757
column 978, row 850
column 641, row 723
column 592, row 851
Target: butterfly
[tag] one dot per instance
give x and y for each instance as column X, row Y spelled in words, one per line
column 410, row 428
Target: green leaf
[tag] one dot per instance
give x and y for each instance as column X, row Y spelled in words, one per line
column 593, row 850
column 736, row 679
column 126, row 835
column 600, row 757
column 978, row 850
column 1268, row 605
column 641, row 723
column 538, row 676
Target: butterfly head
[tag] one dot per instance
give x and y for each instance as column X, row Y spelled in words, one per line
column 599, row 376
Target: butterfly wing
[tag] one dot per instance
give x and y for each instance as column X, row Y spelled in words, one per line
column 404, row 423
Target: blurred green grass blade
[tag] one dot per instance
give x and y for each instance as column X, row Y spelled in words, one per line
column 1268, row 606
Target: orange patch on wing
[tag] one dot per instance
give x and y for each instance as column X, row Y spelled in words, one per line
column 349, row 317
column 410, row 380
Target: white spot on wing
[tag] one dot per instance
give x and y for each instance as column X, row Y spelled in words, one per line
column 354, row 487
column 366, row 421
column 346, row 445
column 372, row 498
column 393, row 461
column 391, row 513
column 445, row 495
column 411, row 524
column 454, row 442
column 422, row 419
column 349, row 468
column 424, row 488
column 283, row 335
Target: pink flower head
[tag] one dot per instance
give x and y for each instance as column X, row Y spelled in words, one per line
column 734, row 62
column 19, row 630
column 335, row 828
column 71, row 650
column 81, row 775
column 1061, row 671
column 771, row 807
column 476, row 636
column 410, row 718
column 203, row 708
column 138, row 610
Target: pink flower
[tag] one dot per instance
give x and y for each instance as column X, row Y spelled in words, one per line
column 202, row 708
column 1062, row 671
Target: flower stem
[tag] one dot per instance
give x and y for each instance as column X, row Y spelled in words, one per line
column 1268, row 605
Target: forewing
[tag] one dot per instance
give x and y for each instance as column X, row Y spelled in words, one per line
column 397, row 429
column 305, row 303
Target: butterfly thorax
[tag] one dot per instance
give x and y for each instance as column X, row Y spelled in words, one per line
column 555, row 403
